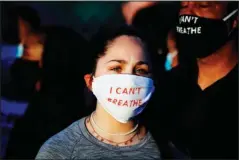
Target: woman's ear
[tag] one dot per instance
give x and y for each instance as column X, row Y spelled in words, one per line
column 88, row 80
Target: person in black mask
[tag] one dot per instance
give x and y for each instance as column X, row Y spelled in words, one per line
column 211, row 31
column 200, row 101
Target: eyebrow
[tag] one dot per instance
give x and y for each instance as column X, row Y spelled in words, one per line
column 124, row 62
column 117, row 60
column 142, row 63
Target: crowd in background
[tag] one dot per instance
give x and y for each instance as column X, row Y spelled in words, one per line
column 191, row 114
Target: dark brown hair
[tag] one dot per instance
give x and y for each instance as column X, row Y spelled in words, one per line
column 101, row 41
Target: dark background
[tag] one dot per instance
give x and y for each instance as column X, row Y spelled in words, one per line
column 84, row 17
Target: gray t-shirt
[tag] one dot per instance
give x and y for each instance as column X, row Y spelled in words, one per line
column 75, row 142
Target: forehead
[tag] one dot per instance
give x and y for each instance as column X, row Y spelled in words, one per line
column 213, row 3
column 33, row 38
column 210, row 9
column 126, row 48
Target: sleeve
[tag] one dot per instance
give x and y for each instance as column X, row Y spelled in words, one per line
column 56, row 147
column 60, row 146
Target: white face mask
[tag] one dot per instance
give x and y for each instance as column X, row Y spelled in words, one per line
column 123, row 96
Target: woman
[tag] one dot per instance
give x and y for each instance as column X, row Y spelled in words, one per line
column 121, row 81
column 53, row 103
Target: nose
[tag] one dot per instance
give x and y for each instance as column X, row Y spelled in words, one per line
column 128, row 70
column 189, row 8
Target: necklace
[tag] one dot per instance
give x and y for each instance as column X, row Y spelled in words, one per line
column 127, row 142
column 112, row 134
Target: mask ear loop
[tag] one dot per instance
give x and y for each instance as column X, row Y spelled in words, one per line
column 229, row 16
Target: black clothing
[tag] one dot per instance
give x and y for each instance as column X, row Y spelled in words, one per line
column 21, row 80
column 200, row 123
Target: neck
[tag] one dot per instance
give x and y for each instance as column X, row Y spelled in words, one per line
column 174, row 52
column 172, row 49
column 109, row 124
column 217, row 65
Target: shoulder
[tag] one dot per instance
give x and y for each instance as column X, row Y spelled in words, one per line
column 150, row 147
column 61, row 145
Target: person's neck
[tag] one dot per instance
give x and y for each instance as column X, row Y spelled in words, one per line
column 217, row 65
column 108, row 123
column 173, row 51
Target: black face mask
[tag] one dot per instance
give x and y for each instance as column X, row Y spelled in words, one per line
column 199, row 37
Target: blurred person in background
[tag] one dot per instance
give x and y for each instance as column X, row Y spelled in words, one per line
column 200, row 102
column 20, row 22
column 26, row 70
column 53, row 105
column 172, row 55
column 17, row 75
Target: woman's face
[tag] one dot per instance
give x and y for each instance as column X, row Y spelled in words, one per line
column 125, row 55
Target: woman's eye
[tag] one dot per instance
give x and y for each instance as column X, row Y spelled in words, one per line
column 116, row 69
column 142, row 72
column 204, row 6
